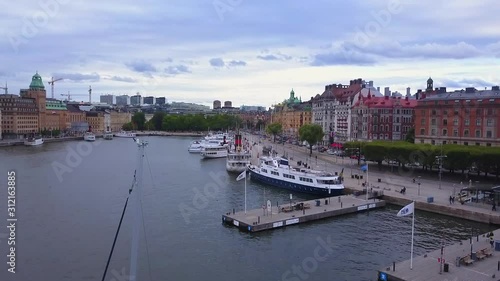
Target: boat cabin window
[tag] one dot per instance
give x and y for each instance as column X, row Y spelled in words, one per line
column 329, row 181
column 289, row 176
column 275, row 173
column 263, row 170
column 305, row 179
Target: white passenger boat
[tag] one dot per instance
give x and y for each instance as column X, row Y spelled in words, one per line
column 278, row 172
column 89, row 136
column 108, row 135
column 214, row 151
column 124, row 134
column 238, row 159
column 33, row 141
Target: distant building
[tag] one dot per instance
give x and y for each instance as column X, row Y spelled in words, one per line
column 292, row 113
column 252, row 108
column 161, row 101
column 387, row 91
column 123, row 100
column 217, row 104
column 19, row 116
column 228, row 104
column 136, row 100
column 108, row 99
column 183, row 107
column 149, row 100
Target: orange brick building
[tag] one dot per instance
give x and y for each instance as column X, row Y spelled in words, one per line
column 466, row 117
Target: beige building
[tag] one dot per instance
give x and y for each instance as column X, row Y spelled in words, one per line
column 292, row 114
column 19, row 116
column 118, row 119
column 95, row 119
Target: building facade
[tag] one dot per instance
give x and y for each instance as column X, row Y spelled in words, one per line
column 136, row 100
column 123, row 100
column 161, row 101
column 95, row 119
column 108, row 99
column 292, row 114
column 465, row 117
column 118, row 119
column 149, row 100
column 19, row 116
column 37, row 92
column 382, row 118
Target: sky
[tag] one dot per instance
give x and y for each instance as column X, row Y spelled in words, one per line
column 250, row 52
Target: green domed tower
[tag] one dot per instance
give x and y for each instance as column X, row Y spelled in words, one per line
column 36, row 82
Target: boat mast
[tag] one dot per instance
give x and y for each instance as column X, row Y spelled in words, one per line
column 136, row 199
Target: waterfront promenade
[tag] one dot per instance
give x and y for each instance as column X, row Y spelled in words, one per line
column 391, row 183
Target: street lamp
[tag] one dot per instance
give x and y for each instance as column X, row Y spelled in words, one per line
column 418, row 185
column 440, row 162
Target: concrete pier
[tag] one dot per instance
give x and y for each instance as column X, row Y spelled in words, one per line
column 280, row 215
column 429, row 268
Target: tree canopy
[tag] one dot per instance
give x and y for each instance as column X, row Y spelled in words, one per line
column 274, row 129
column 312, row 133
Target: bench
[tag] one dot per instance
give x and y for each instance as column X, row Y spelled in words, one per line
column 480, row 255
column 487, row 252
column 467, row 260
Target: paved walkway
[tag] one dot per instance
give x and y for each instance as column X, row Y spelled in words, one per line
column 390, row 183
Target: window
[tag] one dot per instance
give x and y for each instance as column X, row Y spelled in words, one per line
column 445, row 122
column 466, row 143
column 479, row 111
column 422, row 122
column 478, row 134
column 433, row 122
column 422, row 131
column 445, row 132
column 478, row 122
column 489, row 122
column 466, row 133
column 455, row 133
column 455, row 112
column 490, row 111
column 433, row 112
column 467, row 111
column 455, row 122
column 489, row 134
column 433, row 132
column 433, row 142
column 444, row 142
column 467, row 122
column 423, row 112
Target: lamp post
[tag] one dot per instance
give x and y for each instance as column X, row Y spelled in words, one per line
column 440, row 162
column 418, row 185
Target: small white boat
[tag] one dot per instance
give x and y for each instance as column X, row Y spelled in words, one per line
column 108, row 136
column 214, row 151
column 196, row 146
column 89, row 136
column 124, row 134
column 33, row 141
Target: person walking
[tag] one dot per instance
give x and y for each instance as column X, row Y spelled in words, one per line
column 491, row 239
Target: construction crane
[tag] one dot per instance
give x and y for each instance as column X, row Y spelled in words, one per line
column 5, row 88
column 51, row 83
column 69, row 95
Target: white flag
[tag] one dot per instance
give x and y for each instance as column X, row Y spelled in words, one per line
column 407, row 210
column 242, row 176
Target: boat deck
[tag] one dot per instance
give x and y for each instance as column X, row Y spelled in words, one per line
column 288, row 214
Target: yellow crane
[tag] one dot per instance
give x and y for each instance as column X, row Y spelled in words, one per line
column 51, row 83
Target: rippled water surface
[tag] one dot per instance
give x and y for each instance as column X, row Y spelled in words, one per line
column 67, row 223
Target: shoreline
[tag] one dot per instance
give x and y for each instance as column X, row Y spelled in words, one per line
column 16, row 142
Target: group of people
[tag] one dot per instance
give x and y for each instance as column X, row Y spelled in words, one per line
column 452, row 199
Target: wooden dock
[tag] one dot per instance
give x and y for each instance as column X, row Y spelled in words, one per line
column 458, row 264
column 299, row 212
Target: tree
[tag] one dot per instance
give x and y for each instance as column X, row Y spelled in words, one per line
column 312, row 133
column 128, row 126
column 274, row 129
column 139, row 120
column 410, row 137
column 157, row 120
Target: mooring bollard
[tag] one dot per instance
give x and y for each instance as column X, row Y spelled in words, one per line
column 258, row 219
column 393, row 266
column 339, row 199
column 498, row 266
column 303, row 211
column 340, row 204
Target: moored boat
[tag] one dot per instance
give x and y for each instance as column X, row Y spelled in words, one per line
column 124, row 134
column 33, row 141
column 89, row 136
column 214, row 151
column 108, row 135
column 277, row 171
column 238, row 159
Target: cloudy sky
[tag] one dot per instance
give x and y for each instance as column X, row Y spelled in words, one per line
column 252, row 52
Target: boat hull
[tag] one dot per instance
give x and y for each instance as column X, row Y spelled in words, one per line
column 219, row 154
column 236, row 169
column 323, row 192
column 33, row 143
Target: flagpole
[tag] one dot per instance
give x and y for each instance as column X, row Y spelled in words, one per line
column 245, row 191
column 366, row 183
column 412, row 232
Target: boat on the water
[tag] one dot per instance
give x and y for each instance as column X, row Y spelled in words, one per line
column 33, row 141
column 124, row 134
column 108, row 135
column 214, row 151
column 89, row 136
column 277, row 171
column 238, row 159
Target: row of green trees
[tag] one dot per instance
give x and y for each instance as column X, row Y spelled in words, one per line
column 312, row 133
column 458, row 157
column 183, row 123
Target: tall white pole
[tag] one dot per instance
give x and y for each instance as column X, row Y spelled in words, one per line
column 366, row 185
column 245, row 192
column 412, row 232
column 137, row 213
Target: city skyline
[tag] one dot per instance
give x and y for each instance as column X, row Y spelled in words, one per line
column 249, row 52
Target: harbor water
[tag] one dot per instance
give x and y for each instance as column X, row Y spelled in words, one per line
column 70, row 197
